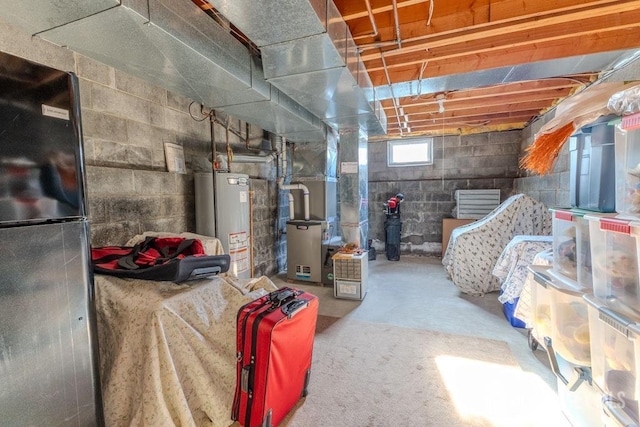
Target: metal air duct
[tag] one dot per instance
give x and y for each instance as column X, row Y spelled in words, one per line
column 309, row 54
column 174, row 45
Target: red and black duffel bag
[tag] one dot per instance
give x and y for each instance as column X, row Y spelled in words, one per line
column 174, row 259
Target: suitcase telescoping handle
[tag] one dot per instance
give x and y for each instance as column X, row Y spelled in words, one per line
column 277, row 299
column 294, row 307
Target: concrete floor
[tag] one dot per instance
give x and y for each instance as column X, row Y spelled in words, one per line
column 415, row 292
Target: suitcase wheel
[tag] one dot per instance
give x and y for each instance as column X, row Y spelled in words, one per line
column 307, row 377
column 267, row 420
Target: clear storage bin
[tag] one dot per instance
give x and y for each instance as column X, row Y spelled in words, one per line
column 571, row 249
column 541, row 304
column 567, row 323
column 569, row 320
column 565, row 252
column 627, row 155
column 614, row 253
column 615, row 350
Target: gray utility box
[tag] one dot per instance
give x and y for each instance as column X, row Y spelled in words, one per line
column 304, row 241
column 350, row 272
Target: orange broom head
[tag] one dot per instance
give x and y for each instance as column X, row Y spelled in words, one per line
column 543, row 152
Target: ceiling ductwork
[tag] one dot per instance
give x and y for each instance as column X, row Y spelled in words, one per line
column 172, row 44
column 309, row 54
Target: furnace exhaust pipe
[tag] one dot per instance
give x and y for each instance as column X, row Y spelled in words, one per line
column 305, row 193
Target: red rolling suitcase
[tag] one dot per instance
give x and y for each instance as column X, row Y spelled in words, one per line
column 275, row 344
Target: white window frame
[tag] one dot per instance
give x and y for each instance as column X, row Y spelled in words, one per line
column 407, row 142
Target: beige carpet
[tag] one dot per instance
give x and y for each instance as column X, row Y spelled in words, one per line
column 370, row 374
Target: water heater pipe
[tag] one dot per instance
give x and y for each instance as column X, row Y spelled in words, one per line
column 244, row 158
column 291, row 210
column 305, row 193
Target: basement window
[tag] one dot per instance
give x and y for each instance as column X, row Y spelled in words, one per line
column 414, row 152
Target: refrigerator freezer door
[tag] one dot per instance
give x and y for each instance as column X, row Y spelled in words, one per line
column 41, row 169
column 48, row 373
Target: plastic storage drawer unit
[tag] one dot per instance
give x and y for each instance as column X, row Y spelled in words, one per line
column 615, row 353
column 572, row 244
column 581, row 405
column 571, row 250
column 614, row 251
column 627, row 149
column 569, row 320
column 541, row 304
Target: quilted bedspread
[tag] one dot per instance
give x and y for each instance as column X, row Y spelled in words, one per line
column 167, row 351
column 511, row 268
column 474, row 248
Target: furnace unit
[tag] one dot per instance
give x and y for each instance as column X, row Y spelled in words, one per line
column 304, row 243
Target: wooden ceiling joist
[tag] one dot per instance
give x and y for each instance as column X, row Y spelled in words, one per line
column 468, row 36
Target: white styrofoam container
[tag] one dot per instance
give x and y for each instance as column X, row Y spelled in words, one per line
column 614, row 253
column 615, row 353
column 627, row 155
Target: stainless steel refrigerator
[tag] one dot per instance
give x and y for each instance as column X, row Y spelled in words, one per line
column 48, row 349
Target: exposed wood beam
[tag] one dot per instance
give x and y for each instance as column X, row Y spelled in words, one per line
column 522, row 54
column 620, row 10
column 466, row 49
column 349, row 12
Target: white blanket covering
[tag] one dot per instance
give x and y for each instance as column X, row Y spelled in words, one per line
column 167, row 351
column 474, row 248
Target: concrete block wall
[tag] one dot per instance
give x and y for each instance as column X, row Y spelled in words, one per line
column 480, row 161
column 126, row 123
column 269, row 246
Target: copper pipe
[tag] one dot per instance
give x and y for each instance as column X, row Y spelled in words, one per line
column 397, row 22
column 251, row 241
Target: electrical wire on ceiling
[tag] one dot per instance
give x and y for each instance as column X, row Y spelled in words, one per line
column 422, row 68
column 442, row 136
column 393, row 97
column 430, row 12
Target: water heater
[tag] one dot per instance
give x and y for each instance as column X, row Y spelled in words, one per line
column 224, row 213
